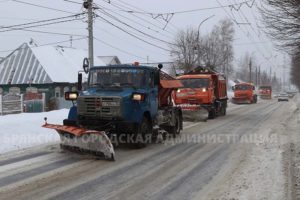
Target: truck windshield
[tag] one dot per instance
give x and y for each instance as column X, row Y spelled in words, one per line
column 118, row 77
column 243, row 87
column 195, row 83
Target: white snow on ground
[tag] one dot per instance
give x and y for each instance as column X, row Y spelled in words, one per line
column 24, row 130
column 261, row 172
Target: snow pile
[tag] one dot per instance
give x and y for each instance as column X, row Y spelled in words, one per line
column 24, row 130
column 230, row 93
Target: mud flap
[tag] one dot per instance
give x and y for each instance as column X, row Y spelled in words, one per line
column 83, row 139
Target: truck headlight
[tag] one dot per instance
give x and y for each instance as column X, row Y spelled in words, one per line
column 203, row 89
column 71, row 96
column 138, row 97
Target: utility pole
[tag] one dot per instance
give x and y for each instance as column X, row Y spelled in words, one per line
column 250, row 68
column 256, row 76
column 270, row 75
column 259, row 76
column 198, row 39
column 88, row 4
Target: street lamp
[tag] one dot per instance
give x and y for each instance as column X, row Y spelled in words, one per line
column 198, row 42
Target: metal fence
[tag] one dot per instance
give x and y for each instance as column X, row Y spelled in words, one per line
column 15, row 103
column 11, row 103
column 36, row 104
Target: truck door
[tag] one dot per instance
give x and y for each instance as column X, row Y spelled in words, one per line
column 153, row 95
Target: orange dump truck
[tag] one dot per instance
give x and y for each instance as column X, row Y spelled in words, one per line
column 265, row 92
column 203, row 88
column 244, row 93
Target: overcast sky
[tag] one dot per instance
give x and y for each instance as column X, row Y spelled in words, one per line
column 109, row 40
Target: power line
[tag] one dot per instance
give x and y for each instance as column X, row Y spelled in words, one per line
column 33, row 26
column 47, row 44
column 49, row 32
column 121, row 50
column 64, row 41
column 188, row 11
column 128, row 25
column 141, row 39
column 41, row 21
column 114, row 4
column 244, row 32
column 133, row 44
column 137, row 22
column 40, row 6
column 69, row 1
column 242, row 15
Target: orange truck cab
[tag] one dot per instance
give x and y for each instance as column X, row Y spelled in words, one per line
column 244, row 93
column 204, row 88
column 265, row 92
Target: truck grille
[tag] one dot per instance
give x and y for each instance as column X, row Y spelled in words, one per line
column 99, row 107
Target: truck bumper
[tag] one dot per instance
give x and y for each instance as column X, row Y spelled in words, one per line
column 241, row 100
column 112, row 126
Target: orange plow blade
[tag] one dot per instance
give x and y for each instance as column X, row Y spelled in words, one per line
column 87, row 140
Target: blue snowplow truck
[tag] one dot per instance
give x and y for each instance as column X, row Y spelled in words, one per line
column 129, row 103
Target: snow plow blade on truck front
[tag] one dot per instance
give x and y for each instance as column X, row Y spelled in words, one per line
column 91, row 141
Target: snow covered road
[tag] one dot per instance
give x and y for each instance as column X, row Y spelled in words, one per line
column 219, row 159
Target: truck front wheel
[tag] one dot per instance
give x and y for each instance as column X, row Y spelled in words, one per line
column 143, row 134
column 212, row 114
column 175, row 130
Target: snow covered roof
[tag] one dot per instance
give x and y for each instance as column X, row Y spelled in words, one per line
column 110, row 60
column 43, row 64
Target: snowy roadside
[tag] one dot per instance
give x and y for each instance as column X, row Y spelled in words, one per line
column 263, row 169
column 19, row 131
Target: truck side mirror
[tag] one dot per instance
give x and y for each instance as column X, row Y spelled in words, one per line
column 232, row 88
column 85, row 65
column 79, row 84
column 253, row 87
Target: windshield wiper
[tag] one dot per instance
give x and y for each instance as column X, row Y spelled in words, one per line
column 97, row 85
column 128, row 84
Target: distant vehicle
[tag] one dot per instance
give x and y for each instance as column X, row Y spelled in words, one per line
column 244, row 93
column 265, row 92
column 205, row 88
column 283, row 97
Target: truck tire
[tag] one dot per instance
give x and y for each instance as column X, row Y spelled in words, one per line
column 175, row 130
column 223, row 111
column 254, row 99
column 212, row 114
column 142, row 134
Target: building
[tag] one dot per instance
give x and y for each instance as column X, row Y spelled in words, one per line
column 109, row 60
column 49, row 69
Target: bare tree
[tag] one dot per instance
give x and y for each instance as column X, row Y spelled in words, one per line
column 243, row 69
column 215, row 51
column 282, row 20
column 185, row 50
column 295, row 70
column 217, row 46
